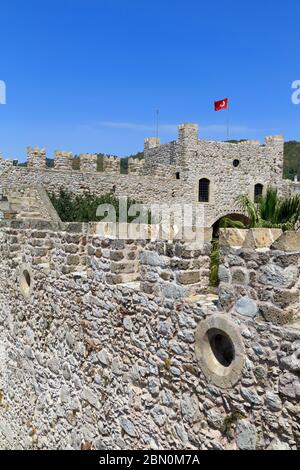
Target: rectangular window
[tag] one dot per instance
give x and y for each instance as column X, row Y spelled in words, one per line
column 204, row 190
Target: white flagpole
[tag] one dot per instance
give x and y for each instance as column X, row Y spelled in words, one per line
column 228, row 119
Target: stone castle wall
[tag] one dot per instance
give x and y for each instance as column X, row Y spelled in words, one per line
column 231, row 168
column 62, row 161
column 155, row 153
column 36, row 157
column 135, row 166
column 215, row 161
column 143, row 189
column 88, row 162
column 88, row 359
column 261, row 281
column 5, row 166
column 169, row 173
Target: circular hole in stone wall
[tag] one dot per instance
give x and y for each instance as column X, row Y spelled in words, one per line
column 221, row 346
column 219, row 350
column 236, row 163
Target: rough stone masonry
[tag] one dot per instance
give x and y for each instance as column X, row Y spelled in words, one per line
column 118, row 344
column 172, row 173
column 113, row 344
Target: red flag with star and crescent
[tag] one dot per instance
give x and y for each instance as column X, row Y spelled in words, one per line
column 221, row 104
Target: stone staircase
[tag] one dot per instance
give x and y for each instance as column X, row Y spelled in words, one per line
column 27, row 204
column 26, row 207
column 6, row 211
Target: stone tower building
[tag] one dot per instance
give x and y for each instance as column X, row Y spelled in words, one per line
column 214, row 174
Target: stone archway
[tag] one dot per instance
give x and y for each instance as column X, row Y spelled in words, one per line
column 235, row 216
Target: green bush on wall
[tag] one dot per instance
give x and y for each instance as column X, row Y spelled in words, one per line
column 83, row 207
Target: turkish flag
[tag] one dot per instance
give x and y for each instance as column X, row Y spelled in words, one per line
column 222, row 104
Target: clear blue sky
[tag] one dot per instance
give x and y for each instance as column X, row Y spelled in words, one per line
column 88, row 75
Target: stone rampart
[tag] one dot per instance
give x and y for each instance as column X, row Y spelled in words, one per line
column 91, row 362
column 259, row 274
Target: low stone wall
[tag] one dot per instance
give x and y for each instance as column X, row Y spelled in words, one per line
column 259, row 274
column 88, row 363
column 174, row 270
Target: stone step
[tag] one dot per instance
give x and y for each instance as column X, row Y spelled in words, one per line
column 30, row 214
column 25, row 218
column 9, row 215
column 4, row 206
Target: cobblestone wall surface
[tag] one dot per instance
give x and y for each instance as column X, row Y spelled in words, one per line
column 90, row 361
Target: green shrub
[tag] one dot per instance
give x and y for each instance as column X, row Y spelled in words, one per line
column 83, row 207
column 214, row 263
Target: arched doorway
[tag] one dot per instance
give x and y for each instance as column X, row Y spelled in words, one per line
column 215, row 253
column 258, row 191
column 235, row 217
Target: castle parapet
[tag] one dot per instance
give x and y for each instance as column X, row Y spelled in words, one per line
column 249, row 142
column 36, row 157
column 111, row 164
column 151, row 143
column 135, row 166
column 188, row 134
column 272, row 252
column 63, row 160
column 88, row 162
column 272, row 140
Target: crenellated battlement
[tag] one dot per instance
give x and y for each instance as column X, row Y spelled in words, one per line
column 111, row 164
column 188, row 137
column 187, row 134
column 274, row 140
column 36, row 157
column 88, row 162
column 169, row 172
column 151, row 142
column 63, row 160
column 135, row 166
